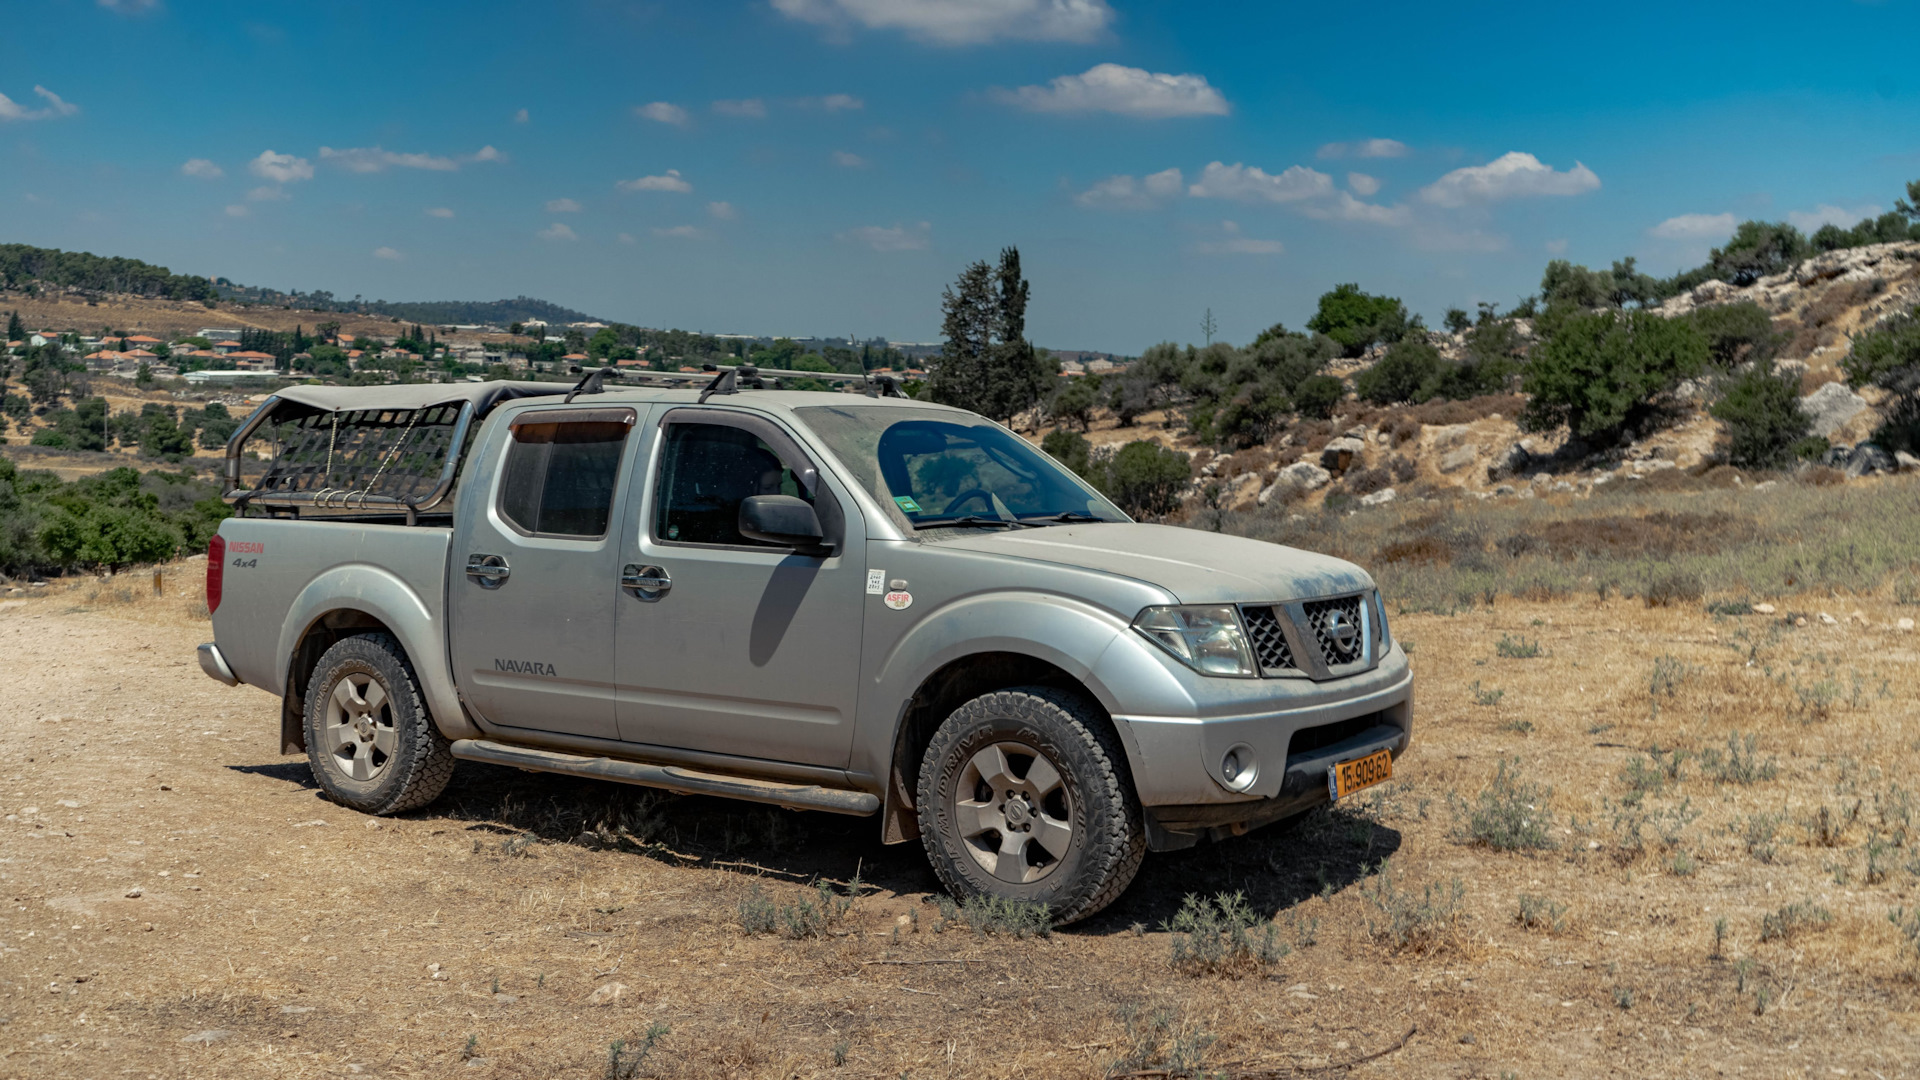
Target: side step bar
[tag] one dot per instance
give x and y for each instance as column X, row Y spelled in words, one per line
column 670, row 777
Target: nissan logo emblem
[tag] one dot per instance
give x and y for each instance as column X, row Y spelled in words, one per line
column 1345, row 635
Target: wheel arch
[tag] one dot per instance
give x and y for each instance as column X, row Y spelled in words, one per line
column 948, row 687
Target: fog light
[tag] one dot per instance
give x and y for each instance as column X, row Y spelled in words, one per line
column 1239, row 768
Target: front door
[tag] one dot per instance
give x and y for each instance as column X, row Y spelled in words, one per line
column 730, row 645
column 536, row 573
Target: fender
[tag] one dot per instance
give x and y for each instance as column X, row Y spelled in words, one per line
column 384, row 596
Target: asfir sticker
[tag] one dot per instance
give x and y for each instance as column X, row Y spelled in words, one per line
column 876, row 582
column 899, row 600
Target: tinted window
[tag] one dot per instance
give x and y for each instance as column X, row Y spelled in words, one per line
column 559, row 478
column 706, row 471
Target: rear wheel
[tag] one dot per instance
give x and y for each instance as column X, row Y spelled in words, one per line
column 370, row 741
column 1024, row 795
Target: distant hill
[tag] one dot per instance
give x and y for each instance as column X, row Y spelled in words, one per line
column 23, row 266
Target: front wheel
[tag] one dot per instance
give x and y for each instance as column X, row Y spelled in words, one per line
column 370, row 741
column 1024, row 795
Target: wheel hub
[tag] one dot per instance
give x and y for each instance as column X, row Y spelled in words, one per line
column 1015, row 812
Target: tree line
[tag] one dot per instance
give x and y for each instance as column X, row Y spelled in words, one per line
column 22, row 266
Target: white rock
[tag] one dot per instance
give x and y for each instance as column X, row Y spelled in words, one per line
column 1458, row 458
column 1907, row 462
column 1763, row 609
column 608, row 994
column 1766, row 485
column 1828, row 620
column 1305, row 474
column 1905, row 626
column 1831, row 406
column 1384, row 495
column 134, row 893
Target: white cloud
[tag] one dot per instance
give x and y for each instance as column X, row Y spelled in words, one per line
column 1363, row 185
column 131, row 7
column 557, row 231
column 280, row 168
column 680, row 232
column 371, row 159
column 1232, row 243
column 521, row 116
column 837, row 102
column 751, row 108
column 1248, row 184
column 1115, row 89
column 1344, row 207
column 625, row 238
column 1556, row 247
column 1694, row 227
column 562, row 206
column 268, row 193
column 960, row 22
column 670, row 181
column 202, row 168
column 896, row 238
column 1366, row 148
column 388, row 253
column 849, row 161
column 238, row 210
column 1510, row 176
column 1829, row 214
column 13, row 110
column 439, row 212
column 666, row 112
column 1126, row 193
column 722, row 211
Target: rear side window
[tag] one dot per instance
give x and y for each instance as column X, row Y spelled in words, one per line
column 562, row 470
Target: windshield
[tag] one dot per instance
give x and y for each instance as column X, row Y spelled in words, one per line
column 935, row 468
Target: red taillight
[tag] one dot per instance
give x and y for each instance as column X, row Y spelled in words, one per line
column 216, row 567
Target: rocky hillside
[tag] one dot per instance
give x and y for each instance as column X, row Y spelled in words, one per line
column 1372, row 455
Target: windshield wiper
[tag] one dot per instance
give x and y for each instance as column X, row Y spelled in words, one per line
column 971, row 521
column 1068, row 517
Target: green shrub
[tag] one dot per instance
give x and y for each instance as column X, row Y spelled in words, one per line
column 1888, row 356
column 1510, row 814
column 1738, row 333
column 1355, row 320
column 1404, row 920
column 1407, row 372
column 1765, row 426
column 1318, row 395
column 1601, row 374
column 1069, row 448
column 1147, row 479
column 1222, row 936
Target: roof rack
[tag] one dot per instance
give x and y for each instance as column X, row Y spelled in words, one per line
column 731, row 379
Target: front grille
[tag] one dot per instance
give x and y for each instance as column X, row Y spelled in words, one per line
column 1269, row 642
column 1329, row 619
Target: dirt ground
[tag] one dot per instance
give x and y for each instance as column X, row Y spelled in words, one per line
column 180, row 902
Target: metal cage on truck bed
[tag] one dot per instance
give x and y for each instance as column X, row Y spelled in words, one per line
column 364, row 449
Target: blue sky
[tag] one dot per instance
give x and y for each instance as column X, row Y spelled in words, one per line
column 826, row 166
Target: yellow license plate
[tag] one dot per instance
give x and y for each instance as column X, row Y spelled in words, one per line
column 1350, row 776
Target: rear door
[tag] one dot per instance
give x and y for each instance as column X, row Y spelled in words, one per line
column 536, row 574
column 750, row 649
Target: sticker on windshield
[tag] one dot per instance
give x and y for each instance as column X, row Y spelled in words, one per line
column 876, row 582
column 899, row 600
column 905, row 502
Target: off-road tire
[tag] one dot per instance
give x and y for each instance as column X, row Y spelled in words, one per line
column 420, row 761
column 1108, row 838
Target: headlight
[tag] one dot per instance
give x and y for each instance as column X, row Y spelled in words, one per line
column 1207, row 639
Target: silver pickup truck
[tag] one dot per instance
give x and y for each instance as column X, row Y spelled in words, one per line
column 865, row 605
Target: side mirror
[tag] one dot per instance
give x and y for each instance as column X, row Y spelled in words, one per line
column 780, row 519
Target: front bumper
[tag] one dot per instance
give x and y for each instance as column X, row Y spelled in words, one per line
column 215, row 665
column 1289, row 745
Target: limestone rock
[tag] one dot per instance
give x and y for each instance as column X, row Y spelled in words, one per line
column 1831, row 406
column 1906, row 461
column 1867, row 459
column 1384, row 495
column 608, row 994
column 1304, row 474
column 1340, row 453
column 1457, row 458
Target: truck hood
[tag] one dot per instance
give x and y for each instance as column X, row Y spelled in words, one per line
column 1196, row 567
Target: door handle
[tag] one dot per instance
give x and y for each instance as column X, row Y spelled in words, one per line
column 489, row 570
column 648, row 582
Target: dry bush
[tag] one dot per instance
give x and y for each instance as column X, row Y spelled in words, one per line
column 1405, row 429
column 1403, row 469
column 1823, row 476
column 1814, row 378
column 1441, row 413
column 1366, row 481
column 1418, row 550
column 1662, row 532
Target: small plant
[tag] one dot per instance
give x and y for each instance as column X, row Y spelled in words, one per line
column 1509, row 814
column 1730, row 607
column 1757, row 831
column 807, row 917
column 1794, row 919
column 1719, row 935
column 472, row 1049
column 624, row 1063
column 1486, row 698
column 1906, row 590
column 1157, row 1045
column 1827, row 827
column 1682, row 864
column 1518, row 727
column 1517, row 648
column 1633, row 819
column 1742, row 971
column 1668, row 674
column 1740, row 765
column 518, row 847
column 840, row 1050
column 1623, row 998
column 1877, row 862
column 1541, row 913
column 1406, row 921
column 758, row 913
column 1222, row 936
column 1907, row 921
column 988, row 915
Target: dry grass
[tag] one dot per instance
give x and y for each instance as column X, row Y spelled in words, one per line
column 1706, row 862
